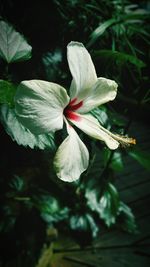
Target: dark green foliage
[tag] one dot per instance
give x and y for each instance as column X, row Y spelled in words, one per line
column 119, row 59
column 50, row 209
column 107, row 205
column 83, row 227
column 142, row 157
column 126, row 219
column 7, row 93
column 17, row 184
column 117, row 35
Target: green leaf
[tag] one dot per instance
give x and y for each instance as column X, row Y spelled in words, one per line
column 7, row 224
column 117, row 119
column 126, row 219
column 100, row 30
column 7, row 93
column 50, row 209
column 116, row 159
column 13, row 46
column 142, row 157
column 51, row 62
column 119, row 58
column 17, row 183
column 117, row 162
column 107, row 206
column 84, row 223
column 57, row 217
column 101, row 115
column 139, row 16
column 22, row 135
column 8, row 218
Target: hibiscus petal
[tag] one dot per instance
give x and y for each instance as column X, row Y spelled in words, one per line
column 91, row 126
column 103, row 91
column 72, row 157
column 40, row 104
column 82, row 70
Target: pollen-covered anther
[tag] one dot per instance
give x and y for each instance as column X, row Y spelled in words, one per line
column 132, row 141
column 124, row 140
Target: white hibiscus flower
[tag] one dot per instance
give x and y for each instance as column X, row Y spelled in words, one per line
column 43, row 107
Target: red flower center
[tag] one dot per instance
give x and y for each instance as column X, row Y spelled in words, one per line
column 72, row 106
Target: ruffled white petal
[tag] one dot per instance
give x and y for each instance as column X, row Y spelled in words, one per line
column 103, row 91
column 82, row 70
column 39, row 105
column 72, row 157
column 91, row 126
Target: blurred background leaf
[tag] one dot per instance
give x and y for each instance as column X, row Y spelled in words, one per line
column 13, row 46
column 107, row 205
column 126, row 219
column 7, row 93
column 142, row 157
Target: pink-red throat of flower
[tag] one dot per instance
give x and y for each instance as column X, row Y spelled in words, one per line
column 72, row 107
